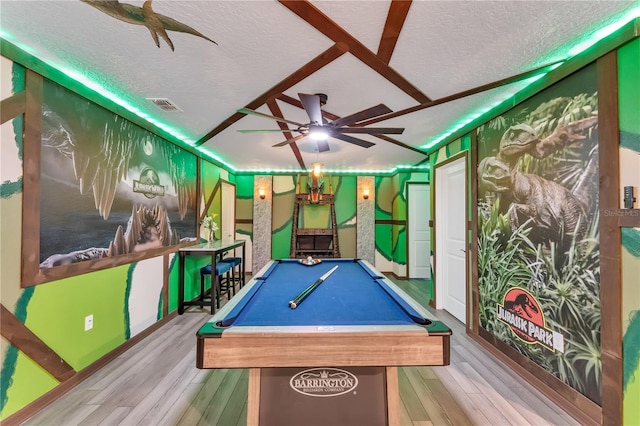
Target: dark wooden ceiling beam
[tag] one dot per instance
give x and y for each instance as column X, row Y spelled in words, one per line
column 314, row 17
column 296, row 103
column 398, row 11
column 275, row 110
column 400, row 144
column 305, row 71
column 460, row 95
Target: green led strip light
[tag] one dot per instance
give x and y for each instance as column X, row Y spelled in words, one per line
column 578, row 48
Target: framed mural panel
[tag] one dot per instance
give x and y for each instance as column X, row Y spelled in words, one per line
column 538, row 231
column 106, row 191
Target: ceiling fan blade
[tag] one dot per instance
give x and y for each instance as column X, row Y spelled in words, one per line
column 371, row 130
column 311, row 104
column 362, row 115
column 260, row 114
column 289, row 141
column 323, row 145
column 351, row 139
column 268, row 131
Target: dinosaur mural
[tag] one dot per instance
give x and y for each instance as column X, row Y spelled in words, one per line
column 538, row 226
column 93, row 161
column 156, row 23
column 553, row 212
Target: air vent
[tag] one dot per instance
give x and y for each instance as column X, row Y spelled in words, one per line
column 164, row 104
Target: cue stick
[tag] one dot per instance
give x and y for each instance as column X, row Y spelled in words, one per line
column 307, row 291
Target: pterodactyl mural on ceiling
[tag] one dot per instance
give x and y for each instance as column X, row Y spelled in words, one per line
column 156, row 23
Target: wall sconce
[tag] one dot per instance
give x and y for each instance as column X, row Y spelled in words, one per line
column 261, row 193
column 365, row 193
column 316, row 170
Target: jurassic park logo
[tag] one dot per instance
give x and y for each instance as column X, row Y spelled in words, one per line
column 148, row 184
column 523, row 314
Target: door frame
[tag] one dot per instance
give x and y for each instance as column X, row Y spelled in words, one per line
column 408, row 240
column 435, row 196
column 227, row 209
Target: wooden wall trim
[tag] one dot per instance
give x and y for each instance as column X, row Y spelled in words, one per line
column 209, row 201
column 26, row 412
column 390, row 222
column 473, row 244
column 26, row 341
column 31, row 180
column 165, row 284
column 40, row 276
column 610, row 240
column 13, row 106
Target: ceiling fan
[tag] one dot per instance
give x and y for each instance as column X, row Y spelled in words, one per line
column 320, row 129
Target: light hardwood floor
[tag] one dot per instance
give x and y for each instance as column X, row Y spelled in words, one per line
column 156, row 383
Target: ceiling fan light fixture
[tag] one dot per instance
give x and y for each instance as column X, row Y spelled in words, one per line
column 318, row 134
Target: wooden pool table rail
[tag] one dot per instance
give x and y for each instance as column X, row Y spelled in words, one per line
column 323, row 349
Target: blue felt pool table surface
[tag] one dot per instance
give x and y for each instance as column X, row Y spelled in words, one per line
column 354, row 294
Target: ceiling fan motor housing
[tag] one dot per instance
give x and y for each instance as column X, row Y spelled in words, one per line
column 323, row 98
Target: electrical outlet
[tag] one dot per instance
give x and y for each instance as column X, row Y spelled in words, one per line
column 88, row 322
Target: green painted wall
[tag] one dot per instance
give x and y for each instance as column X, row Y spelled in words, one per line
column 391, row 206
column 629, row 116
column 124, row 300
column 313, row 216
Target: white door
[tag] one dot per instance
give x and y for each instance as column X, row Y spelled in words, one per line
column 228, row 212
column 451, row 228
column 419, row 232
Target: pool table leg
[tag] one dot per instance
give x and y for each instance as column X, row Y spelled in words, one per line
column 393, row 397
column 253, row 400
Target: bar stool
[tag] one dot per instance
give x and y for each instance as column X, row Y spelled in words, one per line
column 222, row 268
column 235, row 262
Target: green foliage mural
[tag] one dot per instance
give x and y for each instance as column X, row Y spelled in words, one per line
column 538, row 230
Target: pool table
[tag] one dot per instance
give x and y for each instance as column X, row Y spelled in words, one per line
column 354, row 318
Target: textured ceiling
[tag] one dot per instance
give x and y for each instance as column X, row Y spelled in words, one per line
column 360, row 53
